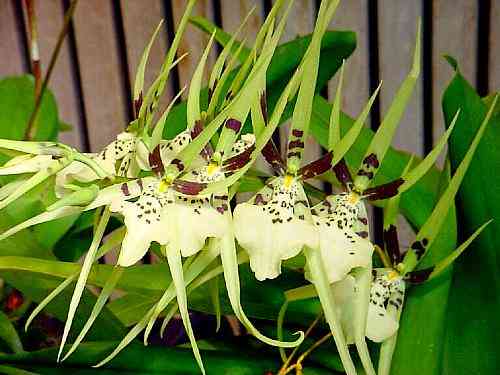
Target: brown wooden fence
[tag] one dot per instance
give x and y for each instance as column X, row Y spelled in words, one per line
column 92, row 78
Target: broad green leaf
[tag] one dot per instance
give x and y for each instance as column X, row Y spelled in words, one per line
column 421, row 331
column 475, row 299
column 431, row 228
column 16, row 105
column 137, row 359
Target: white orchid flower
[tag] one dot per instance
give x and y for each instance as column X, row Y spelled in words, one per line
column 342, row 225
column 269, row 227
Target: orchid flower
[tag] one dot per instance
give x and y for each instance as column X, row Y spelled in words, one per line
column 167, row 200
column 276, row 224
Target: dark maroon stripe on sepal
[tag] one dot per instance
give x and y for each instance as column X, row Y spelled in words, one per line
column 297, row 133
column 420, row 276
column 371, row 161
column 295, row 144
column 188, row 187
column 273, row 157
column 137, row 105
column 384, row 191
column 392, row 244
column 316, row 167
column 207, row 151
column 238, row 161
column 292, row 154
column 233, row 124
column 263, row 106
column 178, row 163
column 155, row 161
column 125, row 189
column 342, row 172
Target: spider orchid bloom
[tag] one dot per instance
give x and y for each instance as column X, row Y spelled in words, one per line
column 389, row 283
column 274, row 214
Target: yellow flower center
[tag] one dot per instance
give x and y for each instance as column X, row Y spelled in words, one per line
column 392, row 275
column 212, row 168
column 163, row 186
column 354, row 197
column 288, row 180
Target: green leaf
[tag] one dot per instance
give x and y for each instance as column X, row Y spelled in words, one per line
column 475, row 298
column 17, row 103
column 9, row 335
column 137, row 359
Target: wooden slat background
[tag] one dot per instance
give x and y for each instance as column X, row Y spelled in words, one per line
column 95, row 71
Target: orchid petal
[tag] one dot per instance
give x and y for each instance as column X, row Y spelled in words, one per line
column 108, row 288
column 54, row 167
column 269, row 231
column 420, row 170
column 139, row 76
column 41, row 218
column 31, row 147
column 9, row 188
column 175, row 264
column 361, row 303
column 80, row 285
column 348, row 140
column 388, row 289
column 160, row 124
column 193, row 101
column 25, row 164
column 334, row 128
column 382, row 139
column 442, row 265
column 320, row 281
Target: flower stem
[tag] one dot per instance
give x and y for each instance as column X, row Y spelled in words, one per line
column 31, row 128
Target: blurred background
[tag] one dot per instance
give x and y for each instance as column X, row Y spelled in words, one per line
column 94, row 73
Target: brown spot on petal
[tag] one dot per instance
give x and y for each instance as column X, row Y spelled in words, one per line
column 178, row 163
column 188, row 187
column 316, row 167
column 273, row 157
column 295, row 144
column 392, row 244
column 292, row 154
column 384, row 191
column 125, row 189
column 137, row 105
column 420, row 276
column 155, row 161
column 362, row 234
column 233, row 124
column 371, row 161
column 418, row 248
column 342, row 172
column 239, row 161
column 263, row 106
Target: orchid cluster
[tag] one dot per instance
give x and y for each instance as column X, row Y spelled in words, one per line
column 177, row 193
